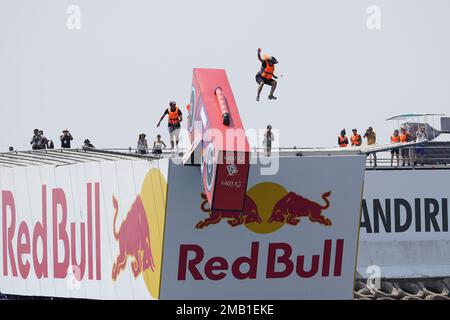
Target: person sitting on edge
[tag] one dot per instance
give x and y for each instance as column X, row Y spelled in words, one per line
column 142, row 146
column 158, row 145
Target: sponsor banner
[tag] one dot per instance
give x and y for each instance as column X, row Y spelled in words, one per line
column 296, row 237
column 405, row 205
column 91, row 230
column 404, row 224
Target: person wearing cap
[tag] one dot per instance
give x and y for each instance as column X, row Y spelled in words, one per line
column 395, row 138
column 266, row 75
column 268, row 139
column 371, row 140
column 356, row 138
column 65, row 139
column 142, row 145
column 175, row 118
column 342, row 139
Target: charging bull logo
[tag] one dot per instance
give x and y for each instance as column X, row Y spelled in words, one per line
column 134, row 240
column 293, row 206
column 139, row 236
column 268, row 207
column 249, row 214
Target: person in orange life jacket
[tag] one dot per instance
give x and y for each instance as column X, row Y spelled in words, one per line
column 266, row 75
column 395, row 138
column 405, row 152
column 342, row 139
column 356, row 138
column 175, row 118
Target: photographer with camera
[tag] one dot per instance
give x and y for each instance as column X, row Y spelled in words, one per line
column 36, row 140
column 65, row 138
column 371, row 140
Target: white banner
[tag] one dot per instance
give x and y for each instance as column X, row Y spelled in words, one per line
column 59, row 235
column 404, row 224
column 296, row 239
column 405, row 205
column 101, row 231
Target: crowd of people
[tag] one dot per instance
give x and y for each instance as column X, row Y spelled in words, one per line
column 39, row 141
column 408, row 156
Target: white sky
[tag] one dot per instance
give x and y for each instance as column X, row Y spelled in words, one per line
column 112, row 79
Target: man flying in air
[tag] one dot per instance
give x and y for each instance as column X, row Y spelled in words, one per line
column 266, row 74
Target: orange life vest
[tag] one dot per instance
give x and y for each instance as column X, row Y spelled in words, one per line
column 342, row 141
column 403, row 137
column 173, row 116
column 356, row 140
column 268, row 71
column 395, row 139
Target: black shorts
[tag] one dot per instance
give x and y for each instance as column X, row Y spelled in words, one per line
column 157, row 151
column 259, row 78
column 396, row 151
column 405, row 152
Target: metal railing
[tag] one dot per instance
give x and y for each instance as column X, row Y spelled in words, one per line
column 433, row 157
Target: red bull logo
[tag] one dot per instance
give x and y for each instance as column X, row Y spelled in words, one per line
column 134, row 240
column 268, row 207
column 140, row 234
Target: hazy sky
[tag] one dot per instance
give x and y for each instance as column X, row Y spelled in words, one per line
column 112, row 79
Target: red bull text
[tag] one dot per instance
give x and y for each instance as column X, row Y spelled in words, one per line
column 281, row 262
column 20, row 245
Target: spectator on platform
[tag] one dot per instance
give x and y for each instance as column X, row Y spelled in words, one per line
column 356, row 138
column 405, row 152
column 421, row 136
column 88, row 144
column 395, row 139
column 267, row 141
column 35, row 140
column 44, row 141
column 142, row 146
column 342, row 139
column 158, row 145
column 65, row 138
column 371, row 140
